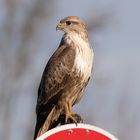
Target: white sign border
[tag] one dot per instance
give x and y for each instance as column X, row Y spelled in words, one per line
column 79, row 125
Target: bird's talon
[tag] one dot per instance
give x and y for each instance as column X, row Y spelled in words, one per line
column 71, row 119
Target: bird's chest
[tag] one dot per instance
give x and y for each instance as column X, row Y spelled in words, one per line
column 83, row 63
column 83, row 57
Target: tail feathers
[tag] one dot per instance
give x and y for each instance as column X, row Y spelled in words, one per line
column 51, row 118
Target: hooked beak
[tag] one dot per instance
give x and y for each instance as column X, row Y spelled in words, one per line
column 60, row 26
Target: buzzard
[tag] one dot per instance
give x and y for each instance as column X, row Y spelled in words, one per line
column 65, row 76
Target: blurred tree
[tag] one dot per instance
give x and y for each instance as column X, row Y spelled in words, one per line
column 20, row 24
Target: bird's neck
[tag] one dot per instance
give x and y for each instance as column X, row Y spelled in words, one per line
column 76, row 38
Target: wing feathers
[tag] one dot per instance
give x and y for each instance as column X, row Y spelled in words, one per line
column 53, row 81
column 55, row 74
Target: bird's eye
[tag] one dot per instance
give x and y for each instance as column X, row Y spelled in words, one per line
column 68, row 22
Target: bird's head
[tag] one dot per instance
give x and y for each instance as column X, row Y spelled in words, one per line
column 72, row 24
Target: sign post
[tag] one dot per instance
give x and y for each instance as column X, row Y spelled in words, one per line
column 79, row 132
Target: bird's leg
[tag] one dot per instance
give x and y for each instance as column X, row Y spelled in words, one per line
column 68, row 113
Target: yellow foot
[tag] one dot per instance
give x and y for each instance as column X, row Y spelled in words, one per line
column 70, row 118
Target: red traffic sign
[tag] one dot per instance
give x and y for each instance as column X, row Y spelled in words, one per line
column 79, row 132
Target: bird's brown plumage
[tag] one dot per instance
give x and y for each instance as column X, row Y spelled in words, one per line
column 65, row 76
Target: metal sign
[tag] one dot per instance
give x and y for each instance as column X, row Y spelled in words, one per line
column 79, row 132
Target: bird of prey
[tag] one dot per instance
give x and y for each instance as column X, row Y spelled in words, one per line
column 65, row 76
